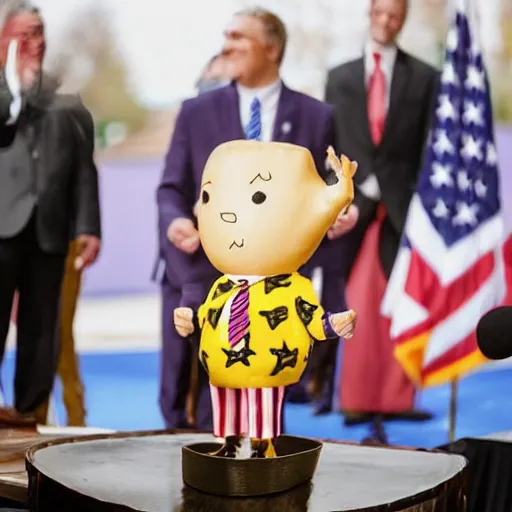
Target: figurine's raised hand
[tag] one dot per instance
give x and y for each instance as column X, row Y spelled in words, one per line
column 345, row 222
column 344, row 323
column 184, row 321
column 345, row 170
column 344, row 167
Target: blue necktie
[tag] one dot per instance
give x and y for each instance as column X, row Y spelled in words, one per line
column 253, row 129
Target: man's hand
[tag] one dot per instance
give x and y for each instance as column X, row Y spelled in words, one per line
column 13, row 67
column 344, row 223
column 344, row 324
column 183, row 234
column 183, row 321
column 88, row 250
column 21, row 72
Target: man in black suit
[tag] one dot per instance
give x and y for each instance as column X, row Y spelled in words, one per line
column 382, row 107
column 48, row 196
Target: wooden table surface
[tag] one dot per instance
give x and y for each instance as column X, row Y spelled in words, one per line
column 13, row 477
column 14, row 442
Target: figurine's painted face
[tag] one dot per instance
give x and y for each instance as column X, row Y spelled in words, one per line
column 262, row 209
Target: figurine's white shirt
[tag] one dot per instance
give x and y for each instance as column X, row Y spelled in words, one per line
column 250, row 279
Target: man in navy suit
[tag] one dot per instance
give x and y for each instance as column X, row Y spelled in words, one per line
column 256, row 99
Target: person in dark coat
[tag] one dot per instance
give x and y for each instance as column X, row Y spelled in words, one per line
column 48, row 197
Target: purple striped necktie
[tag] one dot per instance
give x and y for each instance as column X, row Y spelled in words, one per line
column 238, row 325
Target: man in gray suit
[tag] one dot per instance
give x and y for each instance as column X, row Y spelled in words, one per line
column 48, row 196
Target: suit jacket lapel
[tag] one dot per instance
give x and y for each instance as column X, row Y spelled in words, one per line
column 285, row 123
column 360, row 106
column 398, row 85
column 229, row 113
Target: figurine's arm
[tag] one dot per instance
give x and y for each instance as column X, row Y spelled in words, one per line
column 188, row 321
column 322, row 325
column 327, row 326
column 185, row 321
column 343, row 324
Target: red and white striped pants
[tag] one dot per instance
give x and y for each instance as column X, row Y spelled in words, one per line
column 255, row 413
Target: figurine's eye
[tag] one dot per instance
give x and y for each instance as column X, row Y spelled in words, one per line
column 258, row 197
column 205, row 197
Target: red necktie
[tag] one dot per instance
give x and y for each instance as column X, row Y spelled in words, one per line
column 377, row 101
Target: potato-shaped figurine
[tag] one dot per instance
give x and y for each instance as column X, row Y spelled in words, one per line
column 262, row 213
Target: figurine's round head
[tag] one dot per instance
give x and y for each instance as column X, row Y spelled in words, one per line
column 264, row 209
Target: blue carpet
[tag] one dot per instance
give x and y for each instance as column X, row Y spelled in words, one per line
column 122, row 391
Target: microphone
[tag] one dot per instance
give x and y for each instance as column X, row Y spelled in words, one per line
column 494, row 333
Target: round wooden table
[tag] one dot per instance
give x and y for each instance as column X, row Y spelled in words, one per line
column 142, row 471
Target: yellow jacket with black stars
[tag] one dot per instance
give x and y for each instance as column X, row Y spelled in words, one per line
column 285, row 319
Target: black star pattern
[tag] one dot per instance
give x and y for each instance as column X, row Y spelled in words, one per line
column 204, row 362
column 275, row 316
column 308, row 355
column 305, row 310
column 286, row 358
column 239, row 356
column 279, row 281
column 213, row 316
column 223, row 288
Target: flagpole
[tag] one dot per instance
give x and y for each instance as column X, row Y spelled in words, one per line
column 463, row 7
column 469, row 9
column 453, row 410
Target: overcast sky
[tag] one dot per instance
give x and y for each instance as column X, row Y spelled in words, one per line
column 167, row 42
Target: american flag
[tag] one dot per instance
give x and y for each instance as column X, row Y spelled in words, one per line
column 449, row 269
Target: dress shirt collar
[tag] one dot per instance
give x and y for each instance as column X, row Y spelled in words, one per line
column 264, row 94
column 388, row 57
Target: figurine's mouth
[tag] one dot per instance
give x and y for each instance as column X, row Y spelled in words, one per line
column 236, row 244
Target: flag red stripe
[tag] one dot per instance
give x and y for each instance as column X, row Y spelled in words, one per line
column 468, row 345
column 423, row 286
column 507, row 258
column 462, row 349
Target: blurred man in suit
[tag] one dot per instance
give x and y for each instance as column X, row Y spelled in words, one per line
column 48, row 197
column 254, row 48
column 382, row 107
column 214, row 75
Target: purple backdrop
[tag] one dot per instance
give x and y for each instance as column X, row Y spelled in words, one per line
column 129, row 221
column 504, row 144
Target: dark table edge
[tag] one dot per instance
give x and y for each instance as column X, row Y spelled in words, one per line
column 392, row 507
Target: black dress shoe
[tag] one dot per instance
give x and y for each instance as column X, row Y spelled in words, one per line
column 378, row 436
column 357, row 418
column 298, row 397
column 230, row 448
column 322, row 409
column 410, row 415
